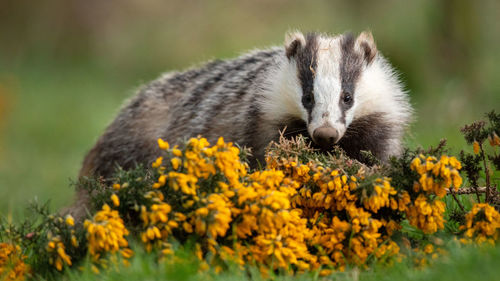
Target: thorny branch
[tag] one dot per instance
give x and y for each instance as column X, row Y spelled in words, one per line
column 487, row 173
column 492, row 192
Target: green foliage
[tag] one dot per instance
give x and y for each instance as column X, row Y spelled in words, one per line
column 477, row 166
column 134, row 183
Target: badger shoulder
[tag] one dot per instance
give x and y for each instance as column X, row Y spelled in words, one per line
column 218, row 98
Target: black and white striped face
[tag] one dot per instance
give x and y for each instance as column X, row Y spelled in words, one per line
column 328, row 70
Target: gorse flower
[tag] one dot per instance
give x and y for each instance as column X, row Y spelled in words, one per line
column 58, row 254
column 12, row 266
column 282, row 214
column 290, row 216
column 435, row 177
column 380, row 197
column 482, row 224
column 70, row 221
column 475, row 146
column 157, row 224
column 106, row 234
column 426, row 214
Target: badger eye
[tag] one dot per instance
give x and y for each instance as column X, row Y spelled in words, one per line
column 347, row 98
column 307, row 100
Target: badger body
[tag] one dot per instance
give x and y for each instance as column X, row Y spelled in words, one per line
column 336, row 89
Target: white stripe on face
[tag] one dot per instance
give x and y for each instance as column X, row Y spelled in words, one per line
column 327, row 88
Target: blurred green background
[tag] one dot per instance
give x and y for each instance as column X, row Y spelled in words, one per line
column 66, row 66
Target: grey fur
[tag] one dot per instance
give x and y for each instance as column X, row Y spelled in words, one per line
column 215, row 100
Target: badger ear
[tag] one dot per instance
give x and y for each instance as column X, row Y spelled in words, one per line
column 294, row 41
column 366, row 45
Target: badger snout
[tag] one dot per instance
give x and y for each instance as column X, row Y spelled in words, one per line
column 326, row 136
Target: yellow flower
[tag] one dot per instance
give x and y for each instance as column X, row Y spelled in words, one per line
column 105, row 232
column 157, row 162
column 58, row 254
column 475, row 145
column 187, row 227
column 69, row 220
column 115, row 200
column 12, row 266
column 426, row 215
column 325, row 272
column 429, row 249
column 163, row 144
column 74, row 241
column 176, row 152
column 176, row 162
column 436, row 177
column 287, row 209
column 482, row 223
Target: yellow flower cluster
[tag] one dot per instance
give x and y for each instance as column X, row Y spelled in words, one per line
column 340, row 213
column 202, row 205
column 426, row 214
column 213, row 220
column 56, row 249
column 435, row 177
column 289, row 217
column 482, row 224
column 12, row 266
column 277, row 235
column 422, row 257
column 106, row 233
column 380, row 198
column 215, row 192
column 57, row 252
column 157, row 224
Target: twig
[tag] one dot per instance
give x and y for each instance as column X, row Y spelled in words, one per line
column 487, row 172
column 467, row 190
column 452, row 191
column 477, row 193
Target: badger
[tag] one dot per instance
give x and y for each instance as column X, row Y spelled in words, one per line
column 338, row 90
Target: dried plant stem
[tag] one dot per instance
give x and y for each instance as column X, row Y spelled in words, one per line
column 476, row 189
column 452, row 191
column 487, row 172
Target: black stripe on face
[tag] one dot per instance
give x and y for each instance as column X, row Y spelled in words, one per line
column 306, row 66
column 350, row 70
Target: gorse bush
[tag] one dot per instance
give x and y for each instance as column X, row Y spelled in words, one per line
column 305, row 211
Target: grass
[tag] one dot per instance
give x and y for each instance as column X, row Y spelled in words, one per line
column 461, row 264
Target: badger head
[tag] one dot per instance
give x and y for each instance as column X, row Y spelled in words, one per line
column 345, row 92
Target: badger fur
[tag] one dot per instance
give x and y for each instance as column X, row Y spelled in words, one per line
column 336, row 89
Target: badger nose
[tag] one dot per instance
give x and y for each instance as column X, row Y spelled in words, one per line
column 325, row 136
